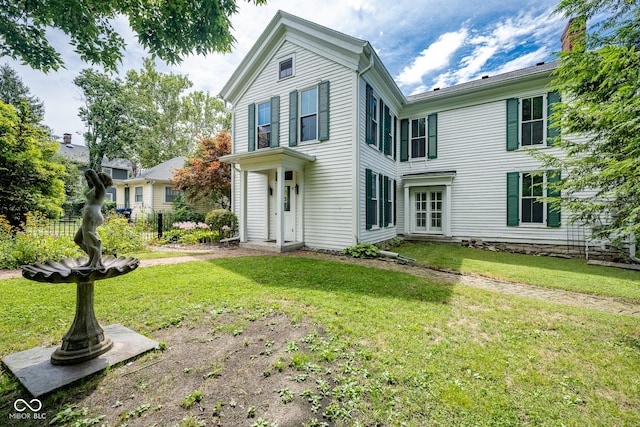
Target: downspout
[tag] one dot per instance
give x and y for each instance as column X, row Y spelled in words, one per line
column 632, row 250
column 357, row 146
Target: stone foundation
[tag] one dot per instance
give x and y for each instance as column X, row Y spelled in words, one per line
column 606, row 253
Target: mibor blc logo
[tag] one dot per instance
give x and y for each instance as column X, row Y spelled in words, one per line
column 27, row 410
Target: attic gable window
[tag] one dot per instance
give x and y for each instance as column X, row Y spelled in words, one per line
column 286, row 68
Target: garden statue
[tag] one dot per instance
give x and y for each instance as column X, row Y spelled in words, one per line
column 85, row 339
column 87, row 236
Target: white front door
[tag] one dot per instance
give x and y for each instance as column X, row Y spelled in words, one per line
column 427, row 210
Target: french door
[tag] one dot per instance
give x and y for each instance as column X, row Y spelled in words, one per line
column 427, row 211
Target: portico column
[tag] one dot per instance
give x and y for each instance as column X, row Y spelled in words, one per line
column 407, row 211
column 280, row 208
column 243, row 207
column 447, row 212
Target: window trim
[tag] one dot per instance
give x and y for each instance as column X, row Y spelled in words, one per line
column 300, row 116
column 424, row 138
column 281, row 60
column 258, row 125
column 164, row 193
column 542, row 185
column 135, row 194
column 521, row 121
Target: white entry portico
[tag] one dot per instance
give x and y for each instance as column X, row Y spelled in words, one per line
column 283, row 187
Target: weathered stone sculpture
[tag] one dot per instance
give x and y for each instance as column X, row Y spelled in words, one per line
column 85, row 339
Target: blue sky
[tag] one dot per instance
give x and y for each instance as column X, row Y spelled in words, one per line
column 423, row 44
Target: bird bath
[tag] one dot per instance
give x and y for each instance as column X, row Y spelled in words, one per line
column 85, row 339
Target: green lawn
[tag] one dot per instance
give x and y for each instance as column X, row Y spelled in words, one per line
column 568, row 274
column 426, row 353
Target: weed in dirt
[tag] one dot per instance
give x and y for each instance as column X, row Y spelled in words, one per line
column 72, row 415
column 286, row 395
column 189, row 400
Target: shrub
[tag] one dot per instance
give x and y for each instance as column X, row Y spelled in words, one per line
column 119, row 236
column 223, row 221
column 362, row 250
column 34, row 244
column 189, row 232
column 183, row 212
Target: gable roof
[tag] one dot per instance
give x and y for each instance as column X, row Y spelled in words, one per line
column 80, row 154
column 351, row 52
column 162, row 172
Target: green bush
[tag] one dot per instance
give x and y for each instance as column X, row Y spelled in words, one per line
column 362, row 250
column 34, row 244
column 119, row 236
column 223, row 221
column 183, row 212
column 189, row 237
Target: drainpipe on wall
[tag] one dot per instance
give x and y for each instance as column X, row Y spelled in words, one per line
column 632, row 250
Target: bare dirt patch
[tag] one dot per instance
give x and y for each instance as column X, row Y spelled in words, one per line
column 229, row 370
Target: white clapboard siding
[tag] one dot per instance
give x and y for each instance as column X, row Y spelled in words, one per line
column 372, row 158
column 327, row 189
column 472, row 142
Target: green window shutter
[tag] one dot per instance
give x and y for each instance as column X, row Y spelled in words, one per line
column 553, row 210
column 387, row 131
column 404, row 140
column 553, row 129
column 381, row 126
column 432, row 146
column 251, row 137
column 275, row 121
column 293, row 118
column 380, row 201
column 387, row 205
column 512, row 124
column 369, row 115
column 395, row 137
column 323, row 110
column 513, row 198
column 369, row 183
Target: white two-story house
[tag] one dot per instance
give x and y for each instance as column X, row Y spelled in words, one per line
column 328, row 152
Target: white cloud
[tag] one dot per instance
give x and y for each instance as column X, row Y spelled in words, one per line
column 436, row 56
column 502, row 38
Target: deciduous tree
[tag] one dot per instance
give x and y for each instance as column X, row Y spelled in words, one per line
column 205, row 177
column 169, row 29
column 106, row 115
column 29, row 180
column 600, row 87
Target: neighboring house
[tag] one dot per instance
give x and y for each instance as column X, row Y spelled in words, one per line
column 117, row 168
column 152, row 190
column 328, row 152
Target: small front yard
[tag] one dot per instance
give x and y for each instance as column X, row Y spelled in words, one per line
column 270, row 338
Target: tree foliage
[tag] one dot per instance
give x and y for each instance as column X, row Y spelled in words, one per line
column 106, row 116
column 600, row 86
column 169, row 29
column 13, row 91
column 165, row 118
column 204, row 176
column 29, row 180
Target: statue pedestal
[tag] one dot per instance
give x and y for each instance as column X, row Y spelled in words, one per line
column 86, row 348
column 85, row 339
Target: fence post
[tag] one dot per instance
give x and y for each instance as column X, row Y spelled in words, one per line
column 159, row 225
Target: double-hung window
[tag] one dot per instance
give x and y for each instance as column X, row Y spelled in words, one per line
column 532, row 208
column 309, row 114
column 532, row 123
column 170, row 194
column 525, row 193
column 137, row 198
column 418, row 138
column 264, row 125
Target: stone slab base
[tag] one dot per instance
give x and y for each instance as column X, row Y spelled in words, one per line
column 39, row 376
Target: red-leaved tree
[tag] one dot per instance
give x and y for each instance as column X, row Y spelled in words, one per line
column 204, row 177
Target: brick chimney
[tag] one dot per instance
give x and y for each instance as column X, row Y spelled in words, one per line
column 574, row 35
column 66, row 138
